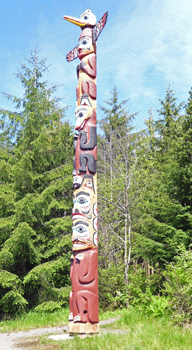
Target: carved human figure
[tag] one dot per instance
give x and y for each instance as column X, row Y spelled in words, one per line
column 86, row 70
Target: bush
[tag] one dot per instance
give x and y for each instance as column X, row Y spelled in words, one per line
column 63, row 296
column 48, row 306
column 6, row 260
column 8, row 280
column 178, row 286
column 13, row 303
column 158, row 306
column 112, row 288
column 114, row 293
column 43, row 282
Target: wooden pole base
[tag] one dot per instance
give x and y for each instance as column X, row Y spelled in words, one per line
column 83, row 328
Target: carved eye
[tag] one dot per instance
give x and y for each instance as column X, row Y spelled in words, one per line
column 81, row 114
column 85, row 17
column 85, row 43
column 82, row 200
column 89, row 183
column 81, row 231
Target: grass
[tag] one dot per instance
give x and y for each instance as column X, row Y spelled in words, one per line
column 134, row 331
column 137, row 332
column 33, row 320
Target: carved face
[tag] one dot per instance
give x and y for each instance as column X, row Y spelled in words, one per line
column 84, row 200
column 85, row 47
column 82, row 205
column 84, row 215
column 77, row 180
column 87, row 183
column 82, row 114
column 88, row 17
column 82, row 237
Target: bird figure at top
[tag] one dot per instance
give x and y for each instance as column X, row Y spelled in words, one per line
column 86, row 20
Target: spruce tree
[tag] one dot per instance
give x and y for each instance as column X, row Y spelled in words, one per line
column 164, row 225
column 36, row 183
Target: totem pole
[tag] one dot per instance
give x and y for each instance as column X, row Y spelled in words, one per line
column 83, row 299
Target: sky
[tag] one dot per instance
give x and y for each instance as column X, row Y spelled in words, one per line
column 145, row 46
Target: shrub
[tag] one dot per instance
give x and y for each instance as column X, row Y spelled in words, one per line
column 43, row 282
column 114, row 293
column 48, row 306
column 13, row 303
column 112, row 287
column 158, row 306
column 6, row 260
column 178, row 286
column 8, row 280
column 63, row 296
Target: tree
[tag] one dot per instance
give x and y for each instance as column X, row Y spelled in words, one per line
column 184, row 157
column 37, row 146
column 119, row 155
column 164, row 222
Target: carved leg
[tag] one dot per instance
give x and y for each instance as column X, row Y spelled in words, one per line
column 87, row 304
column 89, row 87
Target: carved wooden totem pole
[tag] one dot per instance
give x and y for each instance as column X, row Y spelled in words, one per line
column 83, row 299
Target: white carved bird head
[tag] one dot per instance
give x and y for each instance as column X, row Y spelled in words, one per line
column 87, row 18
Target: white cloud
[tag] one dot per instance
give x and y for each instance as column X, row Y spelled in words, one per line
column 152, row 46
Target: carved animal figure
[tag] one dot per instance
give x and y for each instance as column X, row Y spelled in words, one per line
column 84, row 296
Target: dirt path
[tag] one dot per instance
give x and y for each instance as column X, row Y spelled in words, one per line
column 29, row 339
column 8, row 341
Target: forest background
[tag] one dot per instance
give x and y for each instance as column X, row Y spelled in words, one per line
column 144, row 201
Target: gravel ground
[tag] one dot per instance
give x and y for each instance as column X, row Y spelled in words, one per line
column 8, row 341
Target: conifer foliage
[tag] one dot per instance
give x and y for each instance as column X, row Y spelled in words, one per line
column 36, row 146
column 144, row 186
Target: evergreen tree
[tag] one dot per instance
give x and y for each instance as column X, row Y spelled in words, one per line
column 164, row 220
column 36, row 183
column 184, row 156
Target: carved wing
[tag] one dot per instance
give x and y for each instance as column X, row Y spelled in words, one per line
column 99, row 27
column 73, row 54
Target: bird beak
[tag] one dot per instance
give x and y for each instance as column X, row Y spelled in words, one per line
column 76, row 21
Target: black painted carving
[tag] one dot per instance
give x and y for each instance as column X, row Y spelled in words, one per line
column 84, row 144
column 88, row 160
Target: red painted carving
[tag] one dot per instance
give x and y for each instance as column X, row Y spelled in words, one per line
column 84, row 294
column 89, row 87
column 89, row 67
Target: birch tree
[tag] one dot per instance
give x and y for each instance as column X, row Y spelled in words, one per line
column 119, row 157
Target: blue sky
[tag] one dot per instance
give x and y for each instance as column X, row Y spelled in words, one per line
column 145, row 46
